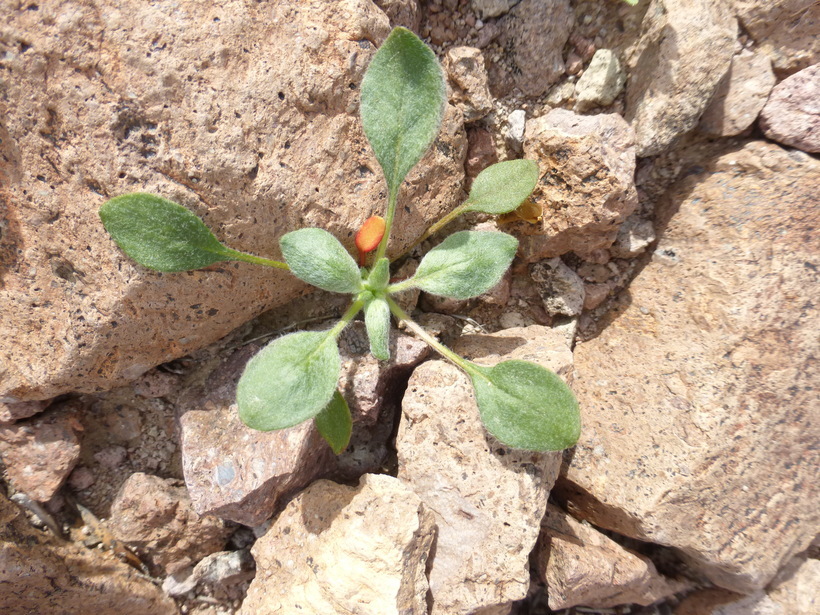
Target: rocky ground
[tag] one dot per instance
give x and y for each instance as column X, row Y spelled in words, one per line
column 667, row 270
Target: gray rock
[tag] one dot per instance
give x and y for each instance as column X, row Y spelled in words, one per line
column 536, row 31
column 601, row 83
column 561, row 290
column 685, row 49
column 792, row 114
column 634, row 236
column 699, row 424
column 225, row 568
column 487, row 499
column 516, row 125
column 740, row 96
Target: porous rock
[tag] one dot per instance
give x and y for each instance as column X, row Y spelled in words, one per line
column 601, row 83
column 39, row 454
column 581, row 566
column 467, row 76
column 561, row 290
column 685, row 48
column 698, row 396
column 487, row 499
column 792, row 113
column 40, row 574
column 586, row 187
column 536, row 31
column 784, row 30
column 244, row 113
column 740, row 95
column 796, row 591
column 154, row 516
column 235, row 472
column 337, row 550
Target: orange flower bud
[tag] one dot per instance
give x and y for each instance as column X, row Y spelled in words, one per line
column 369, row 236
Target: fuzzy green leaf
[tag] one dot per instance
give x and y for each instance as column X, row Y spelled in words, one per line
column 335, row 423
column 377, row 322
column 317, row 257
column 501, row 188
column 402, row 103
column 289, row 381
column 379, row 276
column 464, row 265
column 161, row 235
column 526, row 406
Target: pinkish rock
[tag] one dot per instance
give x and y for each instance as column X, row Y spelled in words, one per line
column 41, row 574
column 561, row 290
column 784, row 30
column 156, row 383
column 686, row 47
column 581, row 566
column 487, row 499
column 235, row 472
column 536, row 31
column 153, row 516
column 40, row 453
column 244, row 113
column 10, row 412
column 337, row 550
column 740, row 95
column 480, row 151
column 405, row 13
column 698, row 396
column 467, row 77
column 792, row 114
column 81, row 478
column 586, row 188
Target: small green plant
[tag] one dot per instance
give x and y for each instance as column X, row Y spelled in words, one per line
column 294, row 378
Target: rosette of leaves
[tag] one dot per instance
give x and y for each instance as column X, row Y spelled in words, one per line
column 294, row 378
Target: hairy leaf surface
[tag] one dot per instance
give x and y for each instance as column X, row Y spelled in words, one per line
column 501, row 188
column 315, row 256
column 335, row 423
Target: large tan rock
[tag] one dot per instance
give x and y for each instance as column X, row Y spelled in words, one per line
column 340, row 550
column 784, row 30
column 39, row 574
column 587, row 186
column 246, row 113
column 581, row 566
column 792, row 113
column 699, row 398
column 684, row 50
column 487, row 500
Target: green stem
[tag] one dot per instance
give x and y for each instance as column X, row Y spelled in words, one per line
column 448, row 354
column 392, row 199
column 349, row 315
column 435, row 228
column 257, row 260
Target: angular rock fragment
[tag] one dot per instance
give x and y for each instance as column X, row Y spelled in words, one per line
column 586, row 188
column 792, row 114
column 581, row 566
column 341, row 550
column 698, row 398
column 562, row 291
column 154, row 516
column 740, row 95
column 467, row 76
column 686, row 47
column 487, row 499
column 40, row 574
column 39, row 454
column 601, row 83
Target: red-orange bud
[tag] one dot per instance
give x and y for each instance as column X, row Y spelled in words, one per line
column 369, row 236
